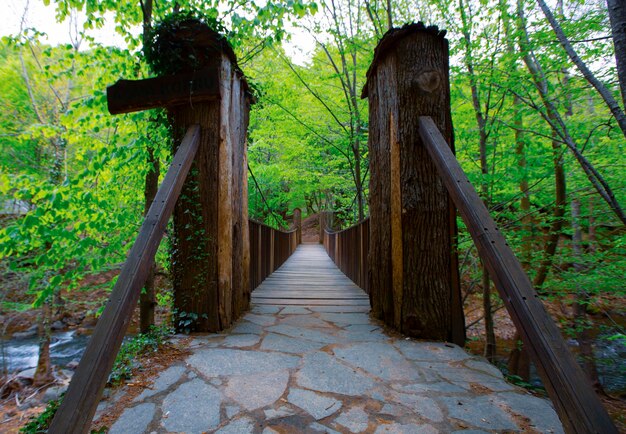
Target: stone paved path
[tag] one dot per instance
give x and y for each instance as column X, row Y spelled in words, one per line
column 327, row 369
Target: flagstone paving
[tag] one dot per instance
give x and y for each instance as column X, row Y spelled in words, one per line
column 329, row 369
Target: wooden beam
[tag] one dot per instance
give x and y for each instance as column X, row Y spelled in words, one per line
column 576, row 402
column 127, row 96
column 85, row 390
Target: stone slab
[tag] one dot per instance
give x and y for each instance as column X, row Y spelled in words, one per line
column 316, row 405
column 180, row 416
column 217, row 361
column 355, row 419
column 165, row 379
column 257, row 390
column 243, row 425
column 325, row 373
column 286, row 344
column 134, row 420
column 379, row 359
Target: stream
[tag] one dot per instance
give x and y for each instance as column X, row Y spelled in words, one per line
column 21, row 354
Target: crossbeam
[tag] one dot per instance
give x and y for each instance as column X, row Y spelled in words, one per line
column 85, row 390
column 127, row 96
column 576, row 403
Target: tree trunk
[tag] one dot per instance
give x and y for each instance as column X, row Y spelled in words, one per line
column 556, row 226
column 490, row 335
column 147, row 300
column 481, row 122
column 414, row 279
column 557, row 123
column 606, row 95
column 581, row 321
column 43, row 372
column 617, row 15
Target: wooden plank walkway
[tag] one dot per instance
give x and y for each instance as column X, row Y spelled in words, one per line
column 309, row 278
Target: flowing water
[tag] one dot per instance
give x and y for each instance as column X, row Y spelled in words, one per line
column 21, row 354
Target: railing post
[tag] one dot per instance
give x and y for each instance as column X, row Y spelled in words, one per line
column 297, row 223
column 412, row 221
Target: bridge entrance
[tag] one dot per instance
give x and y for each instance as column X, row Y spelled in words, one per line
column 406, row 259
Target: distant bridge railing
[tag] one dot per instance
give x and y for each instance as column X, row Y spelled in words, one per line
column 349, row 249
column 269, row 249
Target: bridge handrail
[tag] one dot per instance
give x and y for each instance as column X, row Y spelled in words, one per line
column 349, row 249
column 269, row 249
column 571, row 392
column 85, row 390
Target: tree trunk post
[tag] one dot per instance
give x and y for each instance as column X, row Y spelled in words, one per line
column 210, row 258
column 414, row 280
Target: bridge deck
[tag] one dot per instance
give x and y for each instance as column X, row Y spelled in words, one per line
column 302, row 362
column 309, row 278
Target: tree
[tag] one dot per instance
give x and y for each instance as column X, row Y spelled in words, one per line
column 617, row 15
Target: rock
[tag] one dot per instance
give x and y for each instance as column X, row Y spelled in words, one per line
column 53, row 393
column 325, row 373
column 27, row 374
column 411, row 428
column 271, row 413
column 286, row 344
column 318, row 427
column 379, row 359
column 302, row 333
column 479, row 411
column 247, row 327
column 421, row 405
column 242, row 340
column 316, row 405
column 57, row 325
column 245, row 425
column 540, row 411
column 257, row 391
column 134, row 420
column 182, row 413
column 73, row 364
column 431, row 351
column 355, row 419
column 262, row 320
column 25, row 335
column 217, row 362
column 168, row 377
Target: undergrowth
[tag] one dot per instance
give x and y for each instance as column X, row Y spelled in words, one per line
column 126, row 361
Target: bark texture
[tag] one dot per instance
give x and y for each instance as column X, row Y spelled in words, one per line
column 617, row 15
column 412, row 261
column 210, row 257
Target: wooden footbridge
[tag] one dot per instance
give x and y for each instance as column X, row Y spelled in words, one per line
column 401, row 262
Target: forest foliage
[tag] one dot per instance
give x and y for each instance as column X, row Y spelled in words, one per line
column 539, row 142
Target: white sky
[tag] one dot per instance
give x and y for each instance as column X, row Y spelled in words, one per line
column 42, row 18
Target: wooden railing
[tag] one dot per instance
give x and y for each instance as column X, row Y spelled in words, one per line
column 349, row 249
column 269, row 249
column 575, row 401
column 85, row 390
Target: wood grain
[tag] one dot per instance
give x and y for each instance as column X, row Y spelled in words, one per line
column 127, row 96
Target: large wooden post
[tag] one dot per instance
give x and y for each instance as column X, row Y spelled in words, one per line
column 414, row 283
column 210, row 242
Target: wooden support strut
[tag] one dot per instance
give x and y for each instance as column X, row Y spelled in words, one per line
column 575, row 401
column 85, row 390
